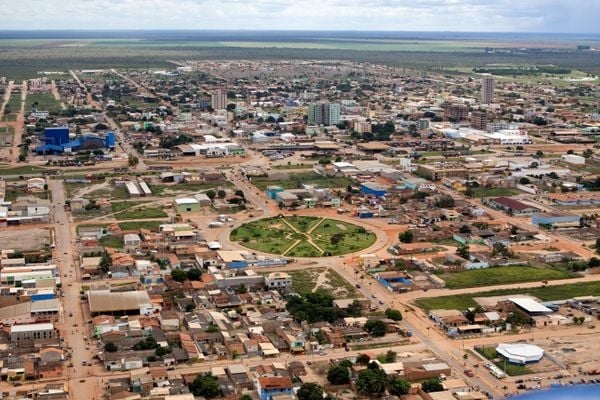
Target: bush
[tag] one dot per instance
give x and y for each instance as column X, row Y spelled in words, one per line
column 394, row 314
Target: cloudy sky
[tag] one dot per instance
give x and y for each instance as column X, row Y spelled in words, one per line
column 401, row 15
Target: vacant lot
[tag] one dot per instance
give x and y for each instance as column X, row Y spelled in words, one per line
column 313, row 279
column 23, row 240
column 141, row 213
column 494, row 192
column 296, row 180
column 547, row 293
column 42, row 101
column 501, row 275
column 134, row 225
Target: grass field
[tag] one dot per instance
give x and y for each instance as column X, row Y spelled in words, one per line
column 141, row 213
column 494, row 192
column 547, row 293
column 307, row 280
column 331, row 237
column 304, row 281
column 42, row 101
column 12, row 194
column 134, row 225
column 511, row 369
column 296, row 180
column 501, row 275
column 21, row 170
column 112, row 241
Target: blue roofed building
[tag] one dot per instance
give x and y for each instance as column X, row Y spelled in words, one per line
column 556, row 219
column 57, row 141
column 373, row 189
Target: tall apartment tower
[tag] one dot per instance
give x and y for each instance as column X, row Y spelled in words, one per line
column 487, row 89
column 323, row 114
column 218, row 100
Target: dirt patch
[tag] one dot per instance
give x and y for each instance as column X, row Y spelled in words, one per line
column 24, row 239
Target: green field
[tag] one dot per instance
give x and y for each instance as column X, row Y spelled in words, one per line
column 547, row 293
column 21, row 170
column 511, row 369
column 112, row 241
column 329, row 237
column 134, row 225
column 295, row 181
column 501, row 275
column 494, row 192
column 141, row 213
column 43, row 102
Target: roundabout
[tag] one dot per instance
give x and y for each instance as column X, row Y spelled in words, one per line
column 303, row 236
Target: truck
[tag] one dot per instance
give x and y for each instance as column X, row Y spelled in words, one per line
column 405, row 332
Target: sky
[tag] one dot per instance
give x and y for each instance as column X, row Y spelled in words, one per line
column 564, row 16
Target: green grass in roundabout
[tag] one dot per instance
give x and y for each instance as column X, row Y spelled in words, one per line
column 300, row 236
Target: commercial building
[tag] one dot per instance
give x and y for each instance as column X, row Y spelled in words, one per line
column 520, row 353
column 323, row 114
column 105, row 301
column 556, row 219
column 455, row 112
column 187, row 204
column 218, row 100
column 487, row 89
column 57, row 141
column 31, row 332
column 511, row 206
column 373, row 189
column 438, row 171
column 270, row 387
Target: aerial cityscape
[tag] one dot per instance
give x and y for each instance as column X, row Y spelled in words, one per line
column 344, row 211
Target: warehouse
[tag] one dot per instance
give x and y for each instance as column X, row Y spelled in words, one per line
column 105, row 301
column 187, row 204
column 556, row 219
column 520, row 353
column 31, row 332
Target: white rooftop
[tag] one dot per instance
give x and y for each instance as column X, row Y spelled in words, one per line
column 530, row 305
column 31, row 327
column 520, row 353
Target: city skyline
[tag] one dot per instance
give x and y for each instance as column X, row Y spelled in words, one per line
column 393, row 15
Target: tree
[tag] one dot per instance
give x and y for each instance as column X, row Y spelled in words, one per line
column 133, row 160
column 598, row 245
column 338, row 375
column 193, row 274
column 464, row 229
column 245, row 397
column 594, row 262
column 221, row 194
column 363, row 359
column 205, row 385
column 463, row 251
column 394, row 314
column 211, row 194
column 444, row 202
column 376, row 328
column 405, row 237
column 371, row 381
column 162, row 351
column 390, row 356
column 524, row 180
column 539, row 154
column 432, row 385
column 105, row 262
column 178, row 275
column 397, row 386
column 110, row 347
column 310, row 391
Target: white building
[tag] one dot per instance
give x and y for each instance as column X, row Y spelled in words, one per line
column 31, row 332
column 520, row 353
column 278, row 280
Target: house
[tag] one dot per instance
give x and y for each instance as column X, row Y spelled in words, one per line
column 169, row 321
column 278, row 280
column 132, row 241
column 36, row 184
column 269, row 387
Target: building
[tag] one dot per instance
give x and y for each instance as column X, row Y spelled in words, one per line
column 107, row 302
column 479, row 120
column 556, row 219
column 269, row 387
column 511, row 206
column 187, row 204
column 57, row 141
column 373, row 189
column 437, row 171
column 31, row 332
column 487, row 89
column 323, row 114
column 278, row 280
column 456, row 112
column 520, row 353
column 218, row 100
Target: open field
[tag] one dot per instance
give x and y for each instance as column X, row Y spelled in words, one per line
column 42, row 101
column 501, row 275
column 134, row 225
column 317, row 236
column 25, row 58
column 547, row 293
column 295, row 181
column 140, row 213
column 313, row 279
column 494, row 192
